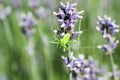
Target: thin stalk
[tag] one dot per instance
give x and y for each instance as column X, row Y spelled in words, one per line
column 70, row 76
column 79, row 32
column 70, row 73
column 8, row 32
column 112, row 64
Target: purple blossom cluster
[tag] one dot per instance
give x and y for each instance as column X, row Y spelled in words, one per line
column 108, row 29
column 33, row 3
column 16, row 3
column 27, row 22
column 85, row 69
column 67, row 17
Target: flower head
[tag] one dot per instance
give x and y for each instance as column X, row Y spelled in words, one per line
column 68, row 15
column 106, row 26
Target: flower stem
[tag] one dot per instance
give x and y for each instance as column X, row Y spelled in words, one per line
column 70, row 76
column 112, row 64
column 79, row 32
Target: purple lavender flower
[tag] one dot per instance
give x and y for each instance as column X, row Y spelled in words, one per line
column 16, row 3
column 42, row 13
column 75, row 34
column 84, row 69
column 1, row 1
column 106, row 26
column 68, row 15
column 27, row 22
column 51, row 4
column 117, row 72
column 33, row 3
column 112, row 44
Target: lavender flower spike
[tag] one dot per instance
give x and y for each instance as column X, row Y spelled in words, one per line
column 106, row 26
column 109, row 48
column 27, row 19
column 68, row 15
column 27, row 22
column 33, row 3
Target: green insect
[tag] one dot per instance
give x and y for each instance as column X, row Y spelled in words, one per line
column 63, row 42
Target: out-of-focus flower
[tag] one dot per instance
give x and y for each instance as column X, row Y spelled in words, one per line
column 42, row 13
column 4, row 12
column 16, row 3
column 106, row 26
column 1, row 1
column 27, row 22
column 50, row 4
column 33, row 3
column 117, row 72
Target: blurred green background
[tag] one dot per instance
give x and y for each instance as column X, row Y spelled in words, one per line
column 45, row 62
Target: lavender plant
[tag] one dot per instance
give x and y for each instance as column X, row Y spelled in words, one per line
column 81, row 68
column 67, row 17
column 108, row 29
column 85, row 69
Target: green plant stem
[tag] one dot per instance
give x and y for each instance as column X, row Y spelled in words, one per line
column 79, row 33
column 70, row 76
column 8, row 32
column 112, row 64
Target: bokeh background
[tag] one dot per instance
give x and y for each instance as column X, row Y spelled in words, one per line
column 21, row 59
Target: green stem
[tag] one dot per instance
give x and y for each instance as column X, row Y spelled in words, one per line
column 79, row 32
column 8, row 32
column 112, row 64
column 70, row 76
